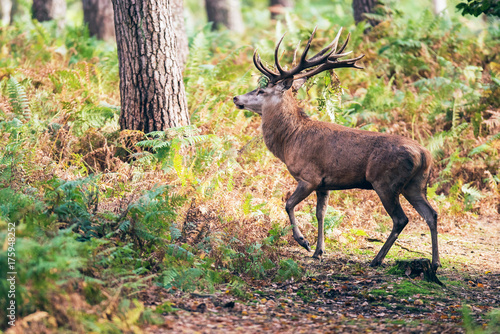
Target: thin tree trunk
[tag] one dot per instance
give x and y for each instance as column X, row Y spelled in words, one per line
column 279, row 7
column 151, row 86
column 362, row 7
column 98, row 15
column 225, row 13
column 180, row 31
column 47, row 10
column 5, row 11
column 439, row 6
column 16, row 11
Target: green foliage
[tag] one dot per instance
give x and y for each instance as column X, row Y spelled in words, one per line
column 110, row 236
column 18, row 99
column 471, row 327
column 43, row 265
column 165, row 146
column 74, row 203
column 471, row 195
column 92, row 116
column 478, row 7
column 287, row 269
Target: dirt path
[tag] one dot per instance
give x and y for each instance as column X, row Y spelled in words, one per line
column 343, row 294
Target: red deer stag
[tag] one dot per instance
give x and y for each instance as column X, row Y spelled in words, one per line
column 324, row 156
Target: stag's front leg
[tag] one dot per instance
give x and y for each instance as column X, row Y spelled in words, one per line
column 320, row 215
column 303, row 190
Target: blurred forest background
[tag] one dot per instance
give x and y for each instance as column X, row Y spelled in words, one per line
column 107, row 216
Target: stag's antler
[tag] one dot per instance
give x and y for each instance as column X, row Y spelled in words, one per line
column 326, row 59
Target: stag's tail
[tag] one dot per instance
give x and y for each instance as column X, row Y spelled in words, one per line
column 421, row 172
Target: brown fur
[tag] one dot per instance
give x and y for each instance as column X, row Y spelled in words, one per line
column 324, row 156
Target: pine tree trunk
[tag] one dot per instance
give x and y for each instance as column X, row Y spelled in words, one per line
column 180, row 31
column 279, row 7
column 361, row 7
column 225, row 13
column 98, row 15
column 152, row 91
column 47, row 10
column 5, row 11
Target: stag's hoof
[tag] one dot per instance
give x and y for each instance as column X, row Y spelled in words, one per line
column 318, row 254
column 304, row 243
column 375, row 263
column 306, row 246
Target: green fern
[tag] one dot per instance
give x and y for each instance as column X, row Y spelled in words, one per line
column 166, row 145
column 485, row 147
column 18, row 98
column 94, row 116
column 289, row 269
column 471, row 195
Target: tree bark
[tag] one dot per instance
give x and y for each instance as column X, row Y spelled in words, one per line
column 225, row 13
column 98, row 15
column 279, row 7
column 362, row 7
column 47, row 10
column 5, row 11
column 180, row 31
column 151, row 86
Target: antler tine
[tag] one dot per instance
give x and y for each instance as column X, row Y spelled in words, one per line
column 295, row 54
column 303, row 63
column 339, row 55
column 349, row 62
column 345, row 43
column 324, row 60
column 258, row 63
column 332, row 45
column 331, row 65
column 308, row 46
column 276, row 56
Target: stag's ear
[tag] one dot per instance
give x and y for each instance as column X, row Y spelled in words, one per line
column 285, row 84
column 298, row 83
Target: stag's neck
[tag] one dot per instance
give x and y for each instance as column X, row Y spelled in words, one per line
column 281, row 119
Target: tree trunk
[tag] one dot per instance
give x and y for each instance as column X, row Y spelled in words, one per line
column 419, row 268
column 279, row 7
column 46, row 10
column 225, row 13
column 151, row 87
column 361, row 7
column 98, row 15
column 5, row 11
column 180, row 31
column 439, row 6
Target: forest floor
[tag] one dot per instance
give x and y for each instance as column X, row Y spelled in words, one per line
column 342, row 294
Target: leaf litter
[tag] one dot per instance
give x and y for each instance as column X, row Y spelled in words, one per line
column 343, row 294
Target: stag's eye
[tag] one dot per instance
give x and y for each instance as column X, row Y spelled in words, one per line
column 260, row 92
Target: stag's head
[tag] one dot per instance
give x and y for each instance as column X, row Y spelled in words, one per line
column 279, row 83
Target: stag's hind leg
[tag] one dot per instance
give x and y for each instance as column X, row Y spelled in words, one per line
column 390, row 200
column 303, row 190
column 415, row 194
column 320, row 215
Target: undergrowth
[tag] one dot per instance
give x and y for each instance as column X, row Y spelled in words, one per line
column 102, row 215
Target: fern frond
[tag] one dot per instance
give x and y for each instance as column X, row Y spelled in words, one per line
column 436, row 144
column 18, row 98
column 480, row 149
column 94, row 116
column 494, row 120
